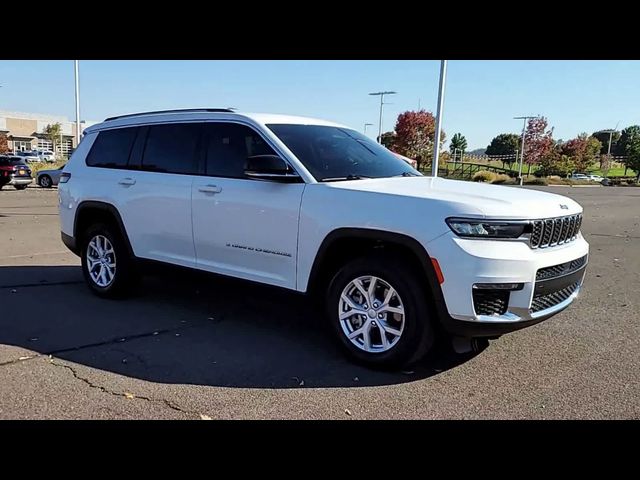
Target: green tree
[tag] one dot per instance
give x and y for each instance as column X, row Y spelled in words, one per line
column 603, row 137
column 388, row 139
column 629, row 143
column 52, row 133
column 504, row 144
column 458, row 144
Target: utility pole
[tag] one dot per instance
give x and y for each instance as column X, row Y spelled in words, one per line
column 524, row 129
column 381, row 95
column 436, row 146
column 75, row 62
column 610, row 132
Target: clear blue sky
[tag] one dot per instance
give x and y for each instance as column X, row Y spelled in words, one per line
column 481, row 96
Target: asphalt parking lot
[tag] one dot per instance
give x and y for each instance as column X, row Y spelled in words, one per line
column 192, row 347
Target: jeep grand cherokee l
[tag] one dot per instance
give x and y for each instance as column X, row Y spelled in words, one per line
column 316, row 207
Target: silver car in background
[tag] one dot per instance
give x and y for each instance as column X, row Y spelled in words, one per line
column 49, row 178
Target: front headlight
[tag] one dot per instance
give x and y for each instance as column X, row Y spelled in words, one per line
column 474, row 228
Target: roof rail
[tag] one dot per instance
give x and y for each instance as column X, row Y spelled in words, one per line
column 185, row 110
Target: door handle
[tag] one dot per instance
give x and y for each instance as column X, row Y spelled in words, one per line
column 127, row 182
column 210, row 189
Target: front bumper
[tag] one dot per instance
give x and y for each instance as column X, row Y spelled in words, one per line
column 465, row 262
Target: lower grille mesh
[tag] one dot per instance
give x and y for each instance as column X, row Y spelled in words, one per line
column 542, row 302
column 490, row 302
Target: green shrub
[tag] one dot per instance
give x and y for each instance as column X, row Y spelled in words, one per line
column 535, row 181
column 484, row 176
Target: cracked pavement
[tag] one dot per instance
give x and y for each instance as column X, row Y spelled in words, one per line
column 187, row 346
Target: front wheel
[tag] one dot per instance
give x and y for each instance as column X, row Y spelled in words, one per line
column 379, row 311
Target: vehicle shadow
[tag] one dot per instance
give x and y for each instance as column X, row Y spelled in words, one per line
column 186, row 328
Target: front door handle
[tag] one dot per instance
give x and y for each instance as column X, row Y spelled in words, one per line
column 127, row 182
column 210, row 189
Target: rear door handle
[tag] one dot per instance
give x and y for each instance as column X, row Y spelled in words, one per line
column 210, row 189
column 127, row 182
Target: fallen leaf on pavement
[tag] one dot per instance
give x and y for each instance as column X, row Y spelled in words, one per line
column 129, row 395
column 347, row 411
column 205, row 417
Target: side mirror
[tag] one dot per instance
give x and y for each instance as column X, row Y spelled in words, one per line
column 270, row 167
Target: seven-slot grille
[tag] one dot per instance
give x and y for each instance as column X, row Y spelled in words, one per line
column 554, row 231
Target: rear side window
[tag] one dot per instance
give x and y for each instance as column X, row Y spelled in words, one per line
column 171, row 148
column 112, row 148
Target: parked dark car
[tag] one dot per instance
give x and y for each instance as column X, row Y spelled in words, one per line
column 14, row 171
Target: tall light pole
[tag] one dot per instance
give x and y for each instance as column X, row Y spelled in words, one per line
column 77, row 103
column 367, row 125
column 524, row 129
column 610, row 132
column 381, row 95
column 436, row 142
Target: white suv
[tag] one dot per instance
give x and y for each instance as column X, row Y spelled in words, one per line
column 312, row 206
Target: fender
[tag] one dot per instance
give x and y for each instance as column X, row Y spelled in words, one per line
column 111, row 210
column 388, row 237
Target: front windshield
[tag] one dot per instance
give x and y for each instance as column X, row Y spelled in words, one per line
column 333, row 153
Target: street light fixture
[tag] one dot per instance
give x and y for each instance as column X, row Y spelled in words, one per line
column 381, row 95
column 524, row 128
column 367, row 125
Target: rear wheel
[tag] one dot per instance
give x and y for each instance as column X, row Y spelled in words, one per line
column 106, row 264
column 45, row 181
column 378, row 309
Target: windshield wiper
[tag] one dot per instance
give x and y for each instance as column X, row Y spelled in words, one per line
column 348, row 177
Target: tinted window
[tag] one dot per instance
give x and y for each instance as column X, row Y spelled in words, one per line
column 339, row 153
column 228, row 145
column 11, row 161
column 112, row 148
column 171, row 148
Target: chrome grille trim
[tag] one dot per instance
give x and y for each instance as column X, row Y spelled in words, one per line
column 550, row 232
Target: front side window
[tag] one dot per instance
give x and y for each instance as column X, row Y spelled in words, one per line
column 228, row 145
column 112, row 148
column 334, row 153
column 171, row 148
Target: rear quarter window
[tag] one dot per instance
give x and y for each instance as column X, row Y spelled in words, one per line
column 112, row 148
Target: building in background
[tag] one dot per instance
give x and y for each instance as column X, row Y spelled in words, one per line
column 25, row 131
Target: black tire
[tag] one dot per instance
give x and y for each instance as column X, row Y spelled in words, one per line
column 19, row 187
column 418, row 335
column 125, row 277
column 45, row 181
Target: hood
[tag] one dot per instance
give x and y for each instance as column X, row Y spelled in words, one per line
column 471, row 198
